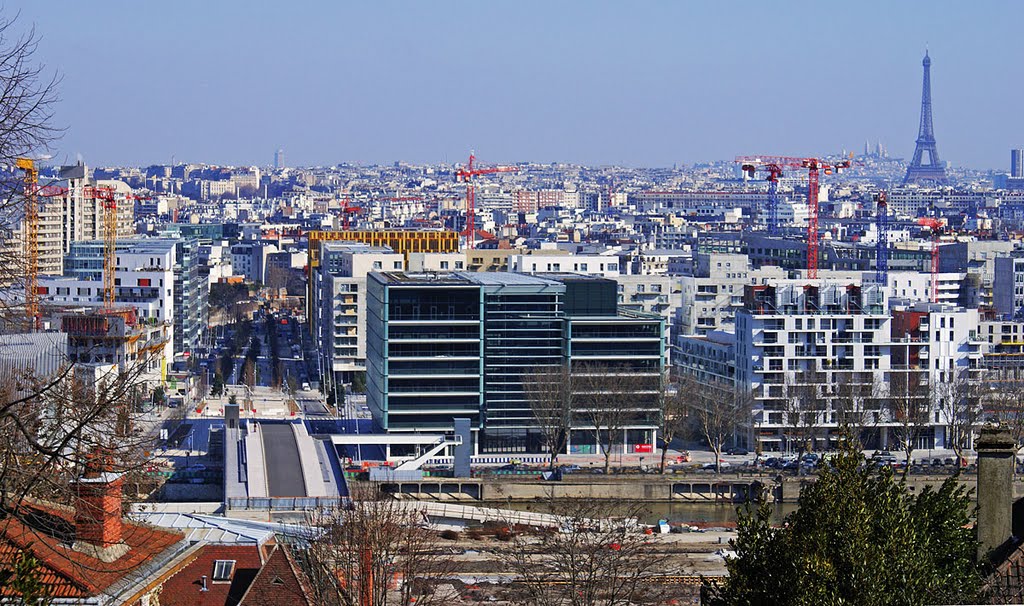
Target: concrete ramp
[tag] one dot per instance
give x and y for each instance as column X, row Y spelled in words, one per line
column 283, row 464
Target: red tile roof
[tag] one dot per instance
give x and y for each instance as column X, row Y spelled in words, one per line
column 280, row 582
column 185, row 587
column 69, row 573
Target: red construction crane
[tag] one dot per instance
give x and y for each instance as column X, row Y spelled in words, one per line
column 936, row 226
column 466, row 174
column 347, row 209
column 108, row 202
column 814, row 166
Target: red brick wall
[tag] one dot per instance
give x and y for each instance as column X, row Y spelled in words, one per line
column 98, row 515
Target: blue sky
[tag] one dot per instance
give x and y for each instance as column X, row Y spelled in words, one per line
column 632, row 83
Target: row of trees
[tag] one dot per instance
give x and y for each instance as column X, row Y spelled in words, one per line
column 607, row 399
column 811, row 410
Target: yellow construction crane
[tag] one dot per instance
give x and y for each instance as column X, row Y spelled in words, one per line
column 30, row 193
column 105, row 194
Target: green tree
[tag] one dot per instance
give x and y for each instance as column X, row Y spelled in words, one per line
column 217, row 389
column 23, row 578
column 859, row 537
column 359, row 382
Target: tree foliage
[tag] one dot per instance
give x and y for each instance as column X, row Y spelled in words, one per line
column 859, row 537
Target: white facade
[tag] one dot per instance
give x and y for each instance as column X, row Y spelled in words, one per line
column 593, row 265
column 341, row 321
column 437, row 262
column 788, row 335
column 917, row 286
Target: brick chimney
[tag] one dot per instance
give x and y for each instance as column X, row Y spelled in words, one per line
column 996, row 457
column 98, row 525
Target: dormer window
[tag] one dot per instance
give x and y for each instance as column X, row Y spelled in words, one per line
column 222, row 570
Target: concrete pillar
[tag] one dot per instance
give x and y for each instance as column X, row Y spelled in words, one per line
column 231, row 416
column 996, row 454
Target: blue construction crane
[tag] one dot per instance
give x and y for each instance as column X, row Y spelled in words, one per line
column 882, row 246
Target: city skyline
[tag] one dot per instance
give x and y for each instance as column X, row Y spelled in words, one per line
column 594, row 83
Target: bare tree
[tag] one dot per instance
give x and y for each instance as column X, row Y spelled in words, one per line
column 589, row 561
column 805, row 408
column 375, row 551
column 549, row 391
column 677, row 404
column 1006, row 403
column 28, row 93
column 719, row 410
column 610, row 397
column 908, row 404
column 852, row 405
column 960, row 404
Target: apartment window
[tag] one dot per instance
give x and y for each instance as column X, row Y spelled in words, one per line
column 613, row 267
column 583, row 267
column 377, row 265
column 444, row 265
column 398, row 265
column 458, row 265
column 640, row 288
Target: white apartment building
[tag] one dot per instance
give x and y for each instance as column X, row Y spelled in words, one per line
column 144, row 284
column 340, row 324
column 606, row 266
column 709, row 298
column 1008, row 287
column 424, row 262
column 249, row 259
column 795, row 334
column 659, row 295
column 792, row 334
column 917, row 286
column 71, row 216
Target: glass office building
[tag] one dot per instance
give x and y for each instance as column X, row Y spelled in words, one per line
column 458, row 345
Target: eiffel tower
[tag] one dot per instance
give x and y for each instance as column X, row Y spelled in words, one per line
column 931, row 172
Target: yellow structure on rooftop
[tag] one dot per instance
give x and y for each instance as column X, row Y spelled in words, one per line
column 402, row 241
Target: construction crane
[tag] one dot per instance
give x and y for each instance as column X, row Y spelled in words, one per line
column 936, row 226
column 814, row 167
column 108, row 202
column 465, row 175
column 30, row 191
column 347, row 209
column 774, row 173
column 882, row 245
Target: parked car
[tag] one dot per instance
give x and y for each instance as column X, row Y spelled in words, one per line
column 737, row 450
column 723, row 464
column 881, row 459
